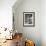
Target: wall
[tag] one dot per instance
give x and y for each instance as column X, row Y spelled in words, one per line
column 43, row 22
column 6, row 13
column 33, row 33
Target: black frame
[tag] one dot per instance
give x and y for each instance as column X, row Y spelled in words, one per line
column 28, row 16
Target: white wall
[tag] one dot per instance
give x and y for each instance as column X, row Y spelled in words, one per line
column 6, row 13
column 33, row 33
column 43, row 22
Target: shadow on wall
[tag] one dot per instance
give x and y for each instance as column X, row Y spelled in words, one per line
column 18, row 2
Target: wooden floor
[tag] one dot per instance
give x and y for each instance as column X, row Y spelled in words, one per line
column 9, row 43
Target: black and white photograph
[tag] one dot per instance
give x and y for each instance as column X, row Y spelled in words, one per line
column 29, row 19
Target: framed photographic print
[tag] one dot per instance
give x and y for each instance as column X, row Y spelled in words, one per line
column 29, row 19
